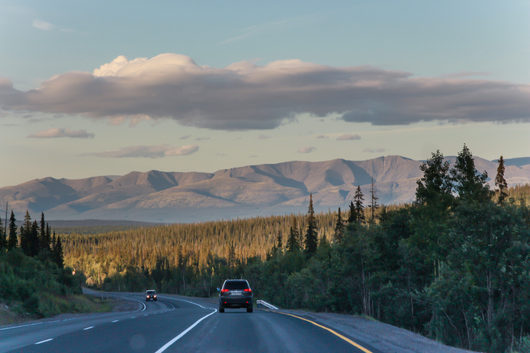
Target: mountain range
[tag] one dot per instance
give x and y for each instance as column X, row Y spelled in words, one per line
column 256, row 190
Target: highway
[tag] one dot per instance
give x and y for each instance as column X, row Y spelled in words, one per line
column 174, row 324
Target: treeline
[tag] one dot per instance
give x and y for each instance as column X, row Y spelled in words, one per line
column 453, row 265
column 32, row 275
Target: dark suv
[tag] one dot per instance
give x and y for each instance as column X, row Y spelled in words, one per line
column 235, row 293
column 150, row 294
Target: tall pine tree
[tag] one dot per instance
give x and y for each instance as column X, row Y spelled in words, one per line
column 339, row 228
column 25, row 235
column 359, row 207
column 435, row 187
column 468, row 183
column 353, row 215
column 3, row 241
column 373, row 202
column 311, row 239
column 13, row 240
column 293, row 242
column 58, row 252
column 500, row 182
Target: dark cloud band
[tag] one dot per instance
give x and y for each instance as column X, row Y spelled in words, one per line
column 246, row 96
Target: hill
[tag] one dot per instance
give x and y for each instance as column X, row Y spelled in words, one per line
column 256, row 190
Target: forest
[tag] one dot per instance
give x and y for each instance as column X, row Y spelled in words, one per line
column 453, row 265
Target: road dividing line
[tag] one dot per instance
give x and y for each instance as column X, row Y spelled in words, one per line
column 166, row 346
column 88, row 328
column 330, row 330
column 114, row 321
column 12, row 327
column 44, row 341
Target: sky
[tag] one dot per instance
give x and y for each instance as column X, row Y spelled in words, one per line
column 106, row 88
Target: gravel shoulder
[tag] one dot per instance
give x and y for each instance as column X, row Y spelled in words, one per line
column 381, row 336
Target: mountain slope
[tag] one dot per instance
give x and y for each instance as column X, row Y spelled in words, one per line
column 265, row 189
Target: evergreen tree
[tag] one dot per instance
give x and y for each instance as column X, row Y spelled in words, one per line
column 3, row 241
column 311, row 240
column 359, row 207
column 34, row 239
column 500, row 182
column 58, row 252
column 13, row 240
column 44, row 241
column 279, row 241
column 468, row 183
column 339, row 228
column 293, row 243
column 435, row 187
column 352, row 217
column 25, row 235
column 373, row 202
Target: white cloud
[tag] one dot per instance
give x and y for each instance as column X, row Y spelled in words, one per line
column 246, row 96
column 348, row 137
column 156, row 151
column 60, row 132
column 42, row 25
column 307, row 149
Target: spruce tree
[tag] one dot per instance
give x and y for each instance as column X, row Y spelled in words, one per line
column 3, row 241
column 359, row 207
column 311, row 240
column 352, row 217
column 44, row 241
column 435, row 187
column 25, row 235
column 339, row 228
column 293, row 243
column 279, row 241
column 468, row 183
column 58, row 252
column 500, row 182
column 13, row 240
column 373, row 202
column 34, row 236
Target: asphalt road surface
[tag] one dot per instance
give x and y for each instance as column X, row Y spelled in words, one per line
column 176, row 325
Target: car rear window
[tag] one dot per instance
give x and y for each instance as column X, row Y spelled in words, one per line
column 235, row 285
column 151, row 292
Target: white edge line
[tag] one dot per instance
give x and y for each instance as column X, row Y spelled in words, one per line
column 12, row 327
column 166, row 346
column 44, row 341
column 114, row 321
column 88, row 328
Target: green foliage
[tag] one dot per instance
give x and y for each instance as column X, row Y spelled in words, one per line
column 311, row 235
column 36, row 286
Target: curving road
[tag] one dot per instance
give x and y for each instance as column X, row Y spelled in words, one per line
column 175, row 324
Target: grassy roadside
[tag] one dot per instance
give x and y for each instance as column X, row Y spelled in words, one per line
column 54, row 305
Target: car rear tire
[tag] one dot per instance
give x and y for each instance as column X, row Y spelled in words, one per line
column 250, row 309
column 221, row 309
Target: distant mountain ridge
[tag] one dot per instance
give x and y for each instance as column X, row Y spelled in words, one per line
column 256, row 190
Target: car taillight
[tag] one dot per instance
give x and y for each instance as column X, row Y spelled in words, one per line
column 224, row 290
column 248, row 290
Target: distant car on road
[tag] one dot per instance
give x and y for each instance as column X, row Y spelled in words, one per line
column 235, row 293
column 150, row 294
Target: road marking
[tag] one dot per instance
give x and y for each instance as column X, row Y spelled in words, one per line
column 166, row 346
column 114, row 321
column 330, row 330
column 88, row 328
column 44, row 341
column 12, row 327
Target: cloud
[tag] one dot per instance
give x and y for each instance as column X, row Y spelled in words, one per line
column 374, row 150
column 245, row 96
column 348, row 137
column 157, row 151
column 60, row 132
column 307, row 149
column 264, row 137
column 42, row 25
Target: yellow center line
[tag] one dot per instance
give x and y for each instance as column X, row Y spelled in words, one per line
column 330, row 330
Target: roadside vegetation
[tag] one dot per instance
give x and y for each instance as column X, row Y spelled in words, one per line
column 33, row 280
column 452, row 266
